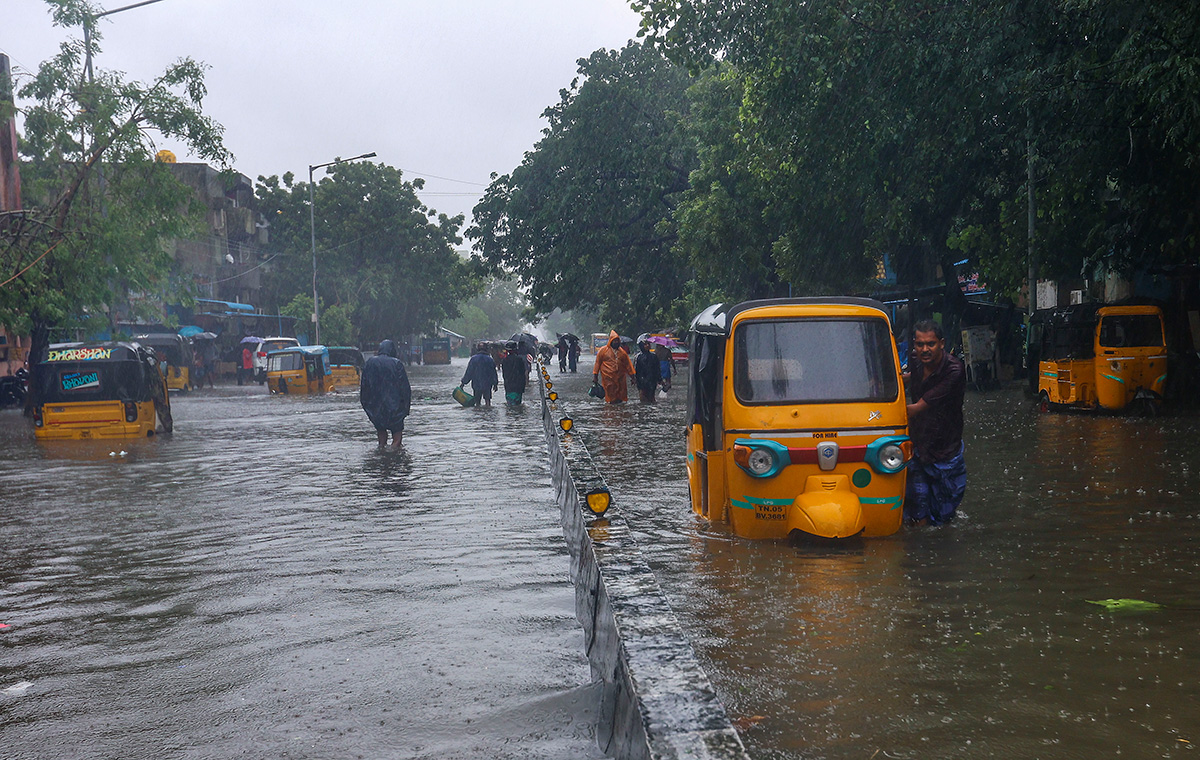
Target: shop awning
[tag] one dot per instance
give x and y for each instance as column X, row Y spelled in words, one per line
column 227, row 305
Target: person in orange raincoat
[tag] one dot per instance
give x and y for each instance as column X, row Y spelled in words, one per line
column 611, row 369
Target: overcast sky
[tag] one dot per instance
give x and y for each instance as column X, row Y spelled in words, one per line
column 452, row 88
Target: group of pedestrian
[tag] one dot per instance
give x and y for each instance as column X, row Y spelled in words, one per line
column 481, row 373
column 568, row 353
column 650, row 371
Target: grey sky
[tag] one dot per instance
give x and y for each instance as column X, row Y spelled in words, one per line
column 452, row 88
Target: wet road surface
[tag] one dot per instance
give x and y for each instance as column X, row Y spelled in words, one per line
column 972, row 640
column 264, row 583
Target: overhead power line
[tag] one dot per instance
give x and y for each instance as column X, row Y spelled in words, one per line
column 447, row 179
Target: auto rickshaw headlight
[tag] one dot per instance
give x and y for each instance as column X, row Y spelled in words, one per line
column 889, row 454
column 760, row 462
column 760, row 458
column 891, row 457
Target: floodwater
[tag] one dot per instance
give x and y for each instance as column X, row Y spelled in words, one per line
column 265, row 584
column 978, row 639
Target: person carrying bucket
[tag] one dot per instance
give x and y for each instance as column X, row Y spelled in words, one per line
column 481, row 374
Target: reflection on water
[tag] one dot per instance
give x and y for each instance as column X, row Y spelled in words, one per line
column 971, row 640
column 266, row 583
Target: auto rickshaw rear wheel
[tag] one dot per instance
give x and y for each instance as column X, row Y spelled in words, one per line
column 1043, row 404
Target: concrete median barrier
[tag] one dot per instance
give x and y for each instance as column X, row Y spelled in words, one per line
column 656, row 701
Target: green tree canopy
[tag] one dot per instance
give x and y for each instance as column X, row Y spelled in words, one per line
column 382, row 256
column 497, row 312
column 586, row 219
column 877, row 125
column 99, row 209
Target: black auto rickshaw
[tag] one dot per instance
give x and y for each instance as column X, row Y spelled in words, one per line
column 99, row 390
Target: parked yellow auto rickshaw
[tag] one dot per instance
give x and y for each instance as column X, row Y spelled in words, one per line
column 174, row 355
column 299, row 370
column 99, row 390
column 346, row 363
column 1090, row 356
column 796, row 418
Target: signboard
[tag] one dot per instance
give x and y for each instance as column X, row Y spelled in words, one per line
column 80, row 381
column 79, row 354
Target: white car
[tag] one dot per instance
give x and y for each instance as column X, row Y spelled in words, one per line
column 265, row 347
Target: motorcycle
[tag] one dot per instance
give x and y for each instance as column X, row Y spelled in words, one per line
column 13, row 388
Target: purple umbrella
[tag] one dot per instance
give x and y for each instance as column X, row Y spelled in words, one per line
column 663, row 341
column 251, row 339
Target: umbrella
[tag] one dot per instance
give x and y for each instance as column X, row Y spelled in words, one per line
column 251, row 339
column 188, row 331
column 662, row 340
column 530, row 342
column 569, row 336
column 204, row 336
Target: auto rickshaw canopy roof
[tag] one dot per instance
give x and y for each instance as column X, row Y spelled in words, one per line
column 715, row 320
column 306, row 350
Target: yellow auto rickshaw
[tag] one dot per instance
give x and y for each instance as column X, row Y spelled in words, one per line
column 99, row 390
column 299, row 370
column 345, row 363
column 796, row 418
column 1091, row 356
column 174, row 358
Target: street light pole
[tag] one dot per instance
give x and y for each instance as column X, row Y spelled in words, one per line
column 312, row 230
column 87, row 31
column 88, row 23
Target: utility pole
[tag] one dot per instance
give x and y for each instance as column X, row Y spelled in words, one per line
column 1032, row 218
column 10, row 176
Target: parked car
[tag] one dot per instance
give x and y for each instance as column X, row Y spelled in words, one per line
column 265, row 347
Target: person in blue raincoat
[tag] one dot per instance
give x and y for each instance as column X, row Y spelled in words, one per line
column 385, row 393
column 481, row 374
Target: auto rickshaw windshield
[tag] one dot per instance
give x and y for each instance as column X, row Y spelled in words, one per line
column 1129, row 330
column 799, row 361
column 285, row 361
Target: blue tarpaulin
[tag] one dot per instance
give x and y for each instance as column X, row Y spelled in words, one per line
column 229, row 305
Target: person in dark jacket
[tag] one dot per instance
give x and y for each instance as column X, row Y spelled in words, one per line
column 562, row 354
column 481, row 374
column 515, row 369
column 647, row 373
column 385, row 393
column 573, row 356
column 937, row 474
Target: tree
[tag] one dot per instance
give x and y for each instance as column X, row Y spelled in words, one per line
column 725, row 224
column 336, row 326
column 877, row 124
column 382, row 256
column 88, row 240
column 497, row 312
column 586, row 219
